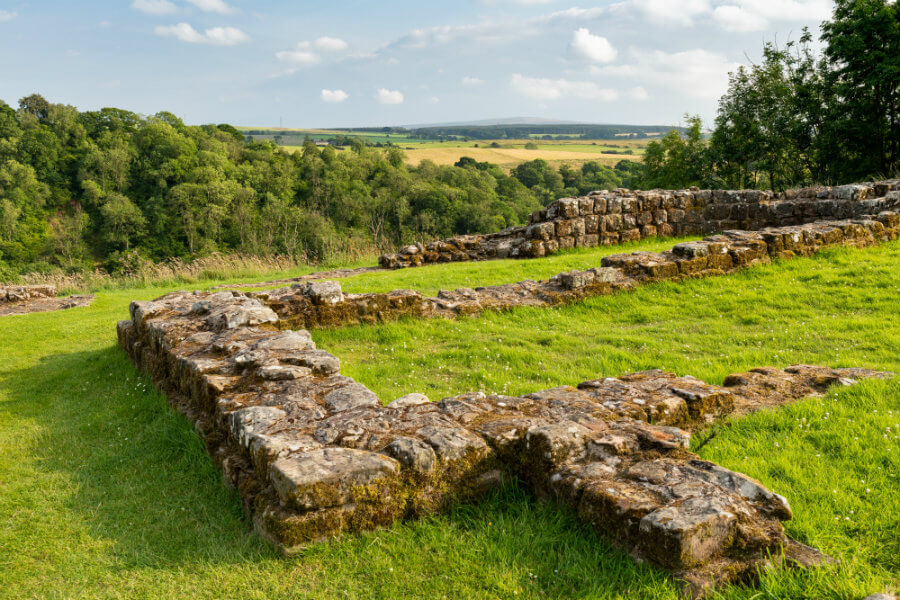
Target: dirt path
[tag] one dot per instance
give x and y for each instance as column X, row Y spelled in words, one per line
column 43, row 305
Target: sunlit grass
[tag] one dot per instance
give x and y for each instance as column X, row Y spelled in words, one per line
column 105, row 492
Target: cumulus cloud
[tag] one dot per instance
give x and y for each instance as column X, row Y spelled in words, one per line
column 6, row 15
column 695, row 73
column 217, row 36
column 472, row 81
column 386, row 96
column 788, row 10
column 732, row 15
column 330, row 44
column 556, row 89
column 216, row 6
column 298, row 56
column 489, row 31
column 738, row 19
column 758, row 15
column 304, row 53
column 592, row 47
column 154, row 7
column 334, row 96
column 672, row 12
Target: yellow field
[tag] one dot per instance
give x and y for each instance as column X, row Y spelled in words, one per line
column 513, row 152
column 510, row 157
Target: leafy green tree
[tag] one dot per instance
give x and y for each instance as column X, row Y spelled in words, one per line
column 678, row 161
column 35, row 105
column 862, row 53
column 123, row 222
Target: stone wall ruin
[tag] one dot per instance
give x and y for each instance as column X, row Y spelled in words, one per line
column 618, row 216
column 23, row 293
column 314, row 454
column 323, row 304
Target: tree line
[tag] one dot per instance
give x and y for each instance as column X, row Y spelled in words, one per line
column 800, row 116
column 82, row 189
column 109, row 187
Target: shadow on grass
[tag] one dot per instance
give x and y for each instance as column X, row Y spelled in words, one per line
column 137, row 476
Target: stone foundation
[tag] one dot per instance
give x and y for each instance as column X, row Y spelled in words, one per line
column 323, row 304
column 315, row 454
column 606, row 218
column 23, row 293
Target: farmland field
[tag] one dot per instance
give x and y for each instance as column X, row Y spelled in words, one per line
column 505, row 153
column 105, row 492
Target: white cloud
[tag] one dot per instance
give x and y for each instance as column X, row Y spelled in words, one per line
column 639, row 93
column 226, row 36
column 6, row 15
column 216, row 6
column 304, row 55
column 592, row 47
column 334, row 96
column 555, row 89
column 434, row 100
column 489, row 31
column 672, row 12
column 298, row 57
column 757, row 15
column 737, row 19
column 788, row 10
column 330, row 44
column 472, row 81
column 218, row 36
column 696, row 73
column 386, row 96
column 154, row 7
column 732, row 15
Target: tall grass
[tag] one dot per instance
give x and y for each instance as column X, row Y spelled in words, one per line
column 215, row 266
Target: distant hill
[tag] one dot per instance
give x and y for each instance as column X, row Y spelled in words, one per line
column 574, row 131
column 491, row 122
column 515, row 128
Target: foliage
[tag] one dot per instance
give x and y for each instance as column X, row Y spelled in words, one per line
column 548, row 183
column 801, row 116
column 677, row 161
column 79, row 189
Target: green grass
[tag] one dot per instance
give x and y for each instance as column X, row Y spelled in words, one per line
column 432, row 279
column 105, row 492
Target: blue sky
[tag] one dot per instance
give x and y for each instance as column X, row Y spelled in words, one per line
column 390, row 62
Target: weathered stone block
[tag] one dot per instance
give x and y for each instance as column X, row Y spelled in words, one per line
column 350, row 396
column 328, row 477
column 689, row 532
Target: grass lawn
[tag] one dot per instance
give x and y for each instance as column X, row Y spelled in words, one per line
column 105, row 492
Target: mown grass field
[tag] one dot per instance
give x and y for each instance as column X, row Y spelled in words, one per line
column 105, row 492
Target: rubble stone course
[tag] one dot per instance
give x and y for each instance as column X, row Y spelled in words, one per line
column 612, row 217
column 323, row 304
column 23, row 293
column 314, row 454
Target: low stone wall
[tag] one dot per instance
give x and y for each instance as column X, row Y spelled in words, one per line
column 606, row 218
column 22, row 293
column 314, row 453
column 323, row 304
